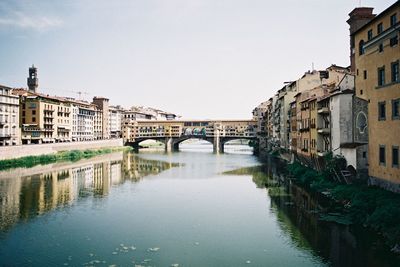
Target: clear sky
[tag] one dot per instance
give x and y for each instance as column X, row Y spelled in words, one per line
column 202, row 59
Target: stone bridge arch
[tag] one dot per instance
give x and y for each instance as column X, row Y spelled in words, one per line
column 177, row 141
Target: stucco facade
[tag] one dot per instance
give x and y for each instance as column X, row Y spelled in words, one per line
column 377, row 56
column 9, row 117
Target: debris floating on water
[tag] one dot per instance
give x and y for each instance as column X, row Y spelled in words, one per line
column 248, row 262
column 153, row 249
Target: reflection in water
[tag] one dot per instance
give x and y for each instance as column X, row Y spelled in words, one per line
column 297, row 211
column 26, row 193
column 195, row 215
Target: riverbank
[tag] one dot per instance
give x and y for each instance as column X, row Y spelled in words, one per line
column 357, row 203
column 73, row 155
column 12, row 152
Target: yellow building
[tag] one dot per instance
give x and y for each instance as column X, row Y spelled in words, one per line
column 44, row 119
column 376, row 53
column 312, row 103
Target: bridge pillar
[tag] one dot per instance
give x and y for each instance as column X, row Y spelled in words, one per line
column 218, row 146
column 168, row 144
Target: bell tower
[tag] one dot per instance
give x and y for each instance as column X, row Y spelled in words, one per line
column 33, row 81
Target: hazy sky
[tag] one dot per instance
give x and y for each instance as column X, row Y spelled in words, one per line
column 198, row 58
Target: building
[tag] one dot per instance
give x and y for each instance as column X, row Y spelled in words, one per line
column 348, row 123
column 135, row 115
column 103, row 106
column 43, row 118
column 33, row 80
column 83, row 114
column 375, row 53
column 115, row 120
column 260, row 115
column 98, row 121
column 9, row 117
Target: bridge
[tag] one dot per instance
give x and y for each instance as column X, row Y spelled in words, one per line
column 174, row 132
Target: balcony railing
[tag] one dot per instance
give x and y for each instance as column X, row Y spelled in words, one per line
column 5, row 135
column 322, row 153
column 324, row 130
column 323, row 110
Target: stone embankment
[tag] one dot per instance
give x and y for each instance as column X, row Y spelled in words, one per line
column 11, row 152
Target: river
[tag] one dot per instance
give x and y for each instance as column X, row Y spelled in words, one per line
column 188, row 208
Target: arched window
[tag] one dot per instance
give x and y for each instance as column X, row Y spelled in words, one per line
column 361, row 47
column 361, row 122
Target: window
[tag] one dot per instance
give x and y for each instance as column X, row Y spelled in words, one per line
column 394, row 41
column 381, row 76
column 395, row 156
column 33, row 119
column 23, row 113
column 365, row 74
column 361, row 122
column 380, row 28
column 393, row 20
column 380, row 48
column 395, row 72
column 381, row 111
column 396, row 109
column 361, row 48
column 382, row 159
column 369, row 35
column 364, row 155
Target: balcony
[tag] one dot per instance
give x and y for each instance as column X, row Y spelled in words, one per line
column 312, row 125
column 323, row 110
column 324, row 130
column 322, row 153
column 47, row 116
column 5, row 135
column 304, row 129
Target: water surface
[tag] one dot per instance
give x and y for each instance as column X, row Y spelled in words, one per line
column 190, row 208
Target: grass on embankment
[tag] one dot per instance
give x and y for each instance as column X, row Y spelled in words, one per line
column 72, row 155
column 359, row 203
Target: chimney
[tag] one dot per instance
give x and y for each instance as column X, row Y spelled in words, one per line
column 358, row 18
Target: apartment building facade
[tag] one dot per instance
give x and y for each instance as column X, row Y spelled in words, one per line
column 376, row 53
column 44, row 119
column 9, row 117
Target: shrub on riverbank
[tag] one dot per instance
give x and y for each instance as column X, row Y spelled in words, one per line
column 73, row 155
column 359, row 203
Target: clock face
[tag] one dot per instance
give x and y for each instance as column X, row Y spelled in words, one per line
column 361, row 122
